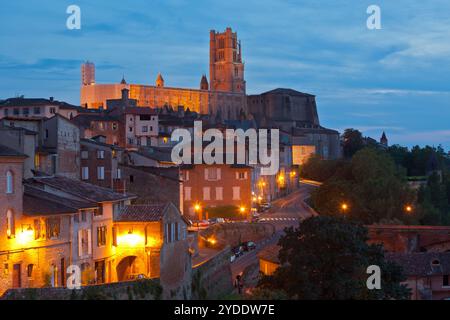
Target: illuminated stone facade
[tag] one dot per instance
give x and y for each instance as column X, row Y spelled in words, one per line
column 224, row 98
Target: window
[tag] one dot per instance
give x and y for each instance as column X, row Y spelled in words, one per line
column 98, row 212
column 9, row 182
column 144, row 128
column 101, row 236
column 187, row 193
column 6, row 112
column 241, row 175
column 236, row 193
column 16, row 111
column 37, row 229
column 119, row 174
column 114, row 236
column 130, row 129
column 131, row 178
column 100, row 154
column 219, row 193
column 445, row 281
column 10, row 225
column 206, row 193
column 84, row 173
column 212, row 174
column 84, row 154
column 52, row 110
column 101, row 173
column 53, row 228
column 114, row 126
column 84, row 242
column 26, row 111
column 186, row 176
column 36, row 110
column 144, row 117
column 30, row 270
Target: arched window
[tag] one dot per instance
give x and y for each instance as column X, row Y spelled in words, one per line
column 9, row 182
column 10, row 227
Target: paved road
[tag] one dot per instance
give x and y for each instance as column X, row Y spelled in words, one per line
column 285, row 212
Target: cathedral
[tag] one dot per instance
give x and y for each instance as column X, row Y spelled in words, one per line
column 224, row 95
column 224, row 98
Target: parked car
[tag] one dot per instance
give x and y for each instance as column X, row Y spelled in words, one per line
column 251, row 245
column 247, row 246
column 266, row 205
column 237, row 251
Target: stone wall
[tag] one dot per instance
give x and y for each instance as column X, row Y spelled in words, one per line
column 233, row 234
column 148, row 289
column 212, row 279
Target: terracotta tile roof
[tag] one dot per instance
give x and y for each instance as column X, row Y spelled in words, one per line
column 80, row 189
column 39, row 202
column 422, row 264
column 9, row 152
column 142, row 213
column 270, row 253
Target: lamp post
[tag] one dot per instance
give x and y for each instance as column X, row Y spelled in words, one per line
column 344, row 207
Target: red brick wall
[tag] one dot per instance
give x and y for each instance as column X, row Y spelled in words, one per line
column 195, row 179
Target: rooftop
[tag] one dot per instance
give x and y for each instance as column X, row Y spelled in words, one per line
column 270, row 253
column 422, row 264
column 37, row 202
column 80, row 189
column 142, row 213
column 8, row 152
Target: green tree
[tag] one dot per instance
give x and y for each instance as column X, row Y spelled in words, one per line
column 352, row 142
column 327, row 258
column 371, row 186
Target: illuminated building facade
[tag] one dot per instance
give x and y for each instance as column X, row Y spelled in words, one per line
column 225, row 97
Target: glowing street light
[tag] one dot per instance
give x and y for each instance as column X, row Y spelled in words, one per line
column 409, row 208
column 344, row 207
column 242, row 209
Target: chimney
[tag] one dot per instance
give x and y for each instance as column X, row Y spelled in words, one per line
column 51, row 98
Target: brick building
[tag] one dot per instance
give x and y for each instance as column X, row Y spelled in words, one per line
column 214, row 186
column 60, row 149
column 100, row 163
column 11, row 202
column 153, row 185
column 225, row 96
column 152, row 240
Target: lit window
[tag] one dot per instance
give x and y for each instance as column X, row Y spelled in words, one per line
column 236, row 193
column 100, row 154
column 101, row 236
column 187, row 193
column 10, row 228
column 53, row 228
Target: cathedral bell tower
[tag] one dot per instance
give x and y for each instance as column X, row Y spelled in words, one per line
column 226, row 70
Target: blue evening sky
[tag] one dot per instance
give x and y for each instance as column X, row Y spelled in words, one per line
column 396, row 79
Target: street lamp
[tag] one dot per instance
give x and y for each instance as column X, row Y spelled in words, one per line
column 408, row 208
column 344, row 207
